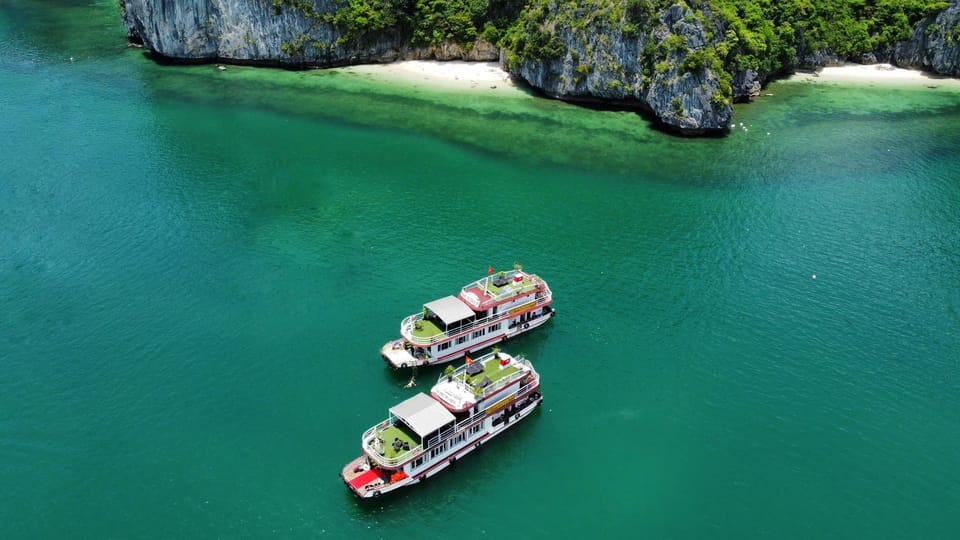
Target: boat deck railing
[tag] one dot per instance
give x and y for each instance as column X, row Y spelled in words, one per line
column 494, row 293
column 457, row 427
column 407, row 326
column 369, row 441
column 369, row 438
column 470, row 382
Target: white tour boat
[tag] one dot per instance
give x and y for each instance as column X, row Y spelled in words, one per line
column 426, row 434
column 487, row 311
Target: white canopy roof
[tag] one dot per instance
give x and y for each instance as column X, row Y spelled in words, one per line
column 423, row 414
column 450, row 309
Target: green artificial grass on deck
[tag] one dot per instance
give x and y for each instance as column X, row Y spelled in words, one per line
column 391, row 433
column 491, row 368
column 427, row 330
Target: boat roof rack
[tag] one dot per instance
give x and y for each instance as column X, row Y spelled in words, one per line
column 423, row 414
column 450, row 309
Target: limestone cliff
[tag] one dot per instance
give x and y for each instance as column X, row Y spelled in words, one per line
column 269, row 32
column 934, row 45
column 680, row 63
column 607, row 59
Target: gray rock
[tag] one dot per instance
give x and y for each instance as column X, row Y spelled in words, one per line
column 254, row 32
column 601, row 64
column 599, row 61
column 934, row 45
column 819, row 58
column 746, row 84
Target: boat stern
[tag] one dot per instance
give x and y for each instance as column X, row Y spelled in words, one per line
column 398, row 355
column 363, row 479
column 366, row 480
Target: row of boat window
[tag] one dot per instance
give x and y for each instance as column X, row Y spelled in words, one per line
column 462, row 339
column 441, row 448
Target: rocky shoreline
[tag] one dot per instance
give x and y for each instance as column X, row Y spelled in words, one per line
column 598, row 63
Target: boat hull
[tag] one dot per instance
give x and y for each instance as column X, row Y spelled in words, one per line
column 372, row 486
column 399, row 356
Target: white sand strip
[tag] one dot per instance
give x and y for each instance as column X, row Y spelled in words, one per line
column 454, row 74
column 875, row 73
column 489, row 77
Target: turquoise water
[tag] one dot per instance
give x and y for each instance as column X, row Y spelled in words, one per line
column 197, row 269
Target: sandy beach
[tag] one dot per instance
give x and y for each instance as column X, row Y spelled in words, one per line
column 874, row 74
column 488, row 77
column 454, row 74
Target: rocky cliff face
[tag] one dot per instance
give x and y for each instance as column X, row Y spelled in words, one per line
column 664, row 62
column 934, row 45
column 260, row 32
column 600, row 62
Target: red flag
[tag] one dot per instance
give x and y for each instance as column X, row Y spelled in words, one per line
column 469, row 360
column 490, row 271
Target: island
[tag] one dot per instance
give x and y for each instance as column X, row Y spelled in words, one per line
column 683, row 63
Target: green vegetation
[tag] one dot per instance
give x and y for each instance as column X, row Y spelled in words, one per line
column 424, row 22
column 363, row 19
column 677, row 104
column 765, row 35
column 761, row 34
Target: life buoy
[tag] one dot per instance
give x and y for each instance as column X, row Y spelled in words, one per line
column 526, row 325
column 403, row 365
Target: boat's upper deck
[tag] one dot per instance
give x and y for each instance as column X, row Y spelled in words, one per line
column 446, row 317
column 504, row 286
column 463, row 387
column 420, row 422
column 400, row 437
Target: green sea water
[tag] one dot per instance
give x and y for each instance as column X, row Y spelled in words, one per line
column 197, row 269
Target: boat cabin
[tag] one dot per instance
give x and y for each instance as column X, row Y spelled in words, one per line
column 411, row 422
column 448, row 314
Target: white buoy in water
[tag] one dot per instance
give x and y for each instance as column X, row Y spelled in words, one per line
column 814, row 276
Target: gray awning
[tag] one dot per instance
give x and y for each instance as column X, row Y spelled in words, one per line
column 450, row 309
column 423, row 414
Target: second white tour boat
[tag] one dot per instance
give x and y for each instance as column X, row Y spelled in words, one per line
column 425, row 434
